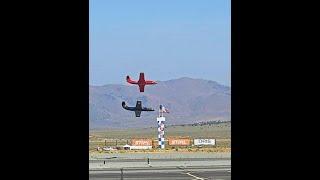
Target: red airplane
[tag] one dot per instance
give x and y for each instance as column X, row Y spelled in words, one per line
column 141, row 83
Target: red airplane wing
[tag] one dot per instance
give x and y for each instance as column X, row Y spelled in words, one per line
column 141, row 87
column 141, row 78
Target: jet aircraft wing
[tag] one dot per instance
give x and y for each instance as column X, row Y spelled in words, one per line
column 141, row 87
column 138, row 113
column 138, row 105
column 141, row 77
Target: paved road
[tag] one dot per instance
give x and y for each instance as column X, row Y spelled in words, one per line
column 101, row 160
column 171, row 173
column 133, row 163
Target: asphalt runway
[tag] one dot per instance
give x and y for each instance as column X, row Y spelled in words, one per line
column 157, row 173
column 101, row 160
column 175, row 162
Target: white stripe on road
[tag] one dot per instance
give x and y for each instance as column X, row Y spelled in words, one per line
column 194, row 176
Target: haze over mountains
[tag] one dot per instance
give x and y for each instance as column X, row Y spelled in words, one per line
column 189, row 101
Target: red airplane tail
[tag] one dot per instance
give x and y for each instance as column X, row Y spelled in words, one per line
column 130, row 81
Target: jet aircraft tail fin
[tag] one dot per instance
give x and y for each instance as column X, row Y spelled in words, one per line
column 129, row 80
column 124, row 105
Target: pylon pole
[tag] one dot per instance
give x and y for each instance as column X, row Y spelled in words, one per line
column 161, row 121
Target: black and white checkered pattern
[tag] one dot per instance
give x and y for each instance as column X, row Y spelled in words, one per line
column 161, row 132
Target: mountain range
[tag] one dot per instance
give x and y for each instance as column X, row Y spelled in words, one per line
column 188, row 100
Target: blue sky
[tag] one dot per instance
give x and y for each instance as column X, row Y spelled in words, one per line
column 166, row 39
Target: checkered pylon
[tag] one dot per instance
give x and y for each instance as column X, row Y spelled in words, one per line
column 161, row 121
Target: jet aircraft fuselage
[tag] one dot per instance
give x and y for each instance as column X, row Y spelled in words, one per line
column 137, row 109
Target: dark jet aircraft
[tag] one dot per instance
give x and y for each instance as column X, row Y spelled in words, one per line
column 136, row 109
column 141, row 83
